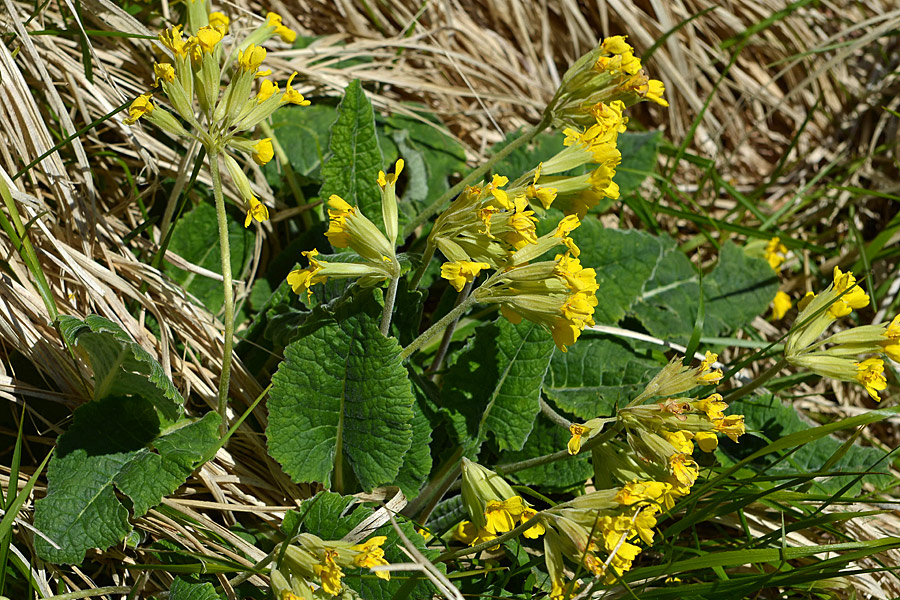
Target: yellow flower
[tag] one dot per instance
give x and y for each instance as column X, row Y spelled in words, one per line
column 266, row 90
column 616, row 45
column 853, row 295
column 263, row 151
column 291, row 95
column 522, row 222
column 257, row 210
column 705, row 375
column 171, row 39
column 497, row 517
column 680, row 440
column 391, row 178
column 164, row 72
column 712, row 405
column 578, row 431
column 250, row 59
column 870, row 373
column 780, row 305
column 219, row 22
column 502, row 198
column 461, row 272
column 208, row 38
column 642, row 491
column 731, row 425
column 536, row 530
column 274, row 20
column 301, row 280
column 775, row 253
column 654, row 92
column 330, row 573
column 892, row 346
column 371, row 554
column 707, row 441
column 140, row 107
column 684, row 468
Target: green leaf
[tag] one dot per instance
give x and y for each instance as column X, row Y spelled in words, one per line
column 351, row 169
column 341, row 393
column 303, row 132
column 417, row 461
column 599, row 373
column 547, row 438
column 114, row 444
column 431, row 155
column 196, row 239
column 639, row 152
column 328, row 520
column 738, row 289
column 494, row 385
column 182, row 590
column 623, row 260
column 774, row 419
column 121, row 366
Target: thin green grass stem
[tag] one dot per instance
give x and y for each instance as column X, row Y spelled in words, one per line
column 228, row 289
column 756, row 383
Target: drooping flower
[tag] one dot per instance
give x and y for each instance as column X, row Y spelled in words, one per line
column 870, row 373
column 461, row 272
column 263, row 151
column 780, row 305
column 141, row 106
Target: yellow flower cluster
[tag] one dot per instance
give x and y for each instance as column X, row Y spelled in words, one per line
column 558, row 294
column 311, row 562
column 192, row 82
column 838, row 356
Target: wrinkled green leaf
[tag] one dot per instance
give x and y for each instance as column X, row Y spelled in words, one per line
column 547, row 438
column 352, row 166
column 182, row 590
column 738, row 289
column 303, row 132
column 599, row 373
column 341, row 394
column 417, row 461
column 639, row 152
column 114, row 444
column 623, row 259
column 493, row 387
column 121, row 366
column 331, row 518
column 196, row 239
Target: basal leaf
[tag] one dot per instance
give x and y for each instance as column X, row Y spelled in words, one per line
column 117, row 443
column 739, row 288
column 354, row 159
column 547, row 438
column 303, row 132
column 341, row 393
column 494, row 386
column 623, row 259
column 417, row 461
column 639, row 151
column 597, row 374
column 196, row 239
column 331, row 518
column 121, row 366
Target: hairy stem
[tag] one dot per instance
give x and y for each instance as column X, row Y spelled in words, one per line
column 474, row 175
column 228, row 288
column 437, row 327
column 448, row 333
column 388, row 311
column 426, row 259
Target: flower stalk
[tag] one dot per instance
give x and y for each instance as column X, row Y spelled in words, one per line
column 228, row 289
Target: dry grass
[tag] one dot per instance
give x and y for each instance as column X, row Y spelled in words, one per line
column 484, row 67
